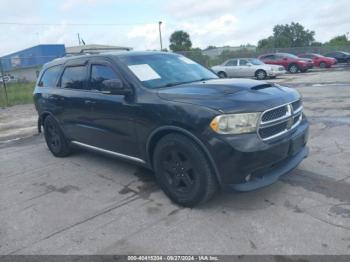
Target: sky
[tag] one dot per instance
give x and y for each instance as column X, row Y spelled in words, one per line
column 134, row 23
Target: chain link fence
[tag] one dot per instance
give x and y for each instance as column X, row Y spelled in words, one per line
column 203, row 56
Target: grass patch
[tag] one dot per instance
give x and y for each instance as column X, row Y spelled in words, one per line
column 18, row 94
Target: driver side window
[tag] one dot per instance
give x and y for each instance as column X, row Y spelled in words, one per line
column 100, row 73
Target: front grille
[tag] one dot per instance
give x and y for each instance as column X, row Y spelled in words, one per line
column 280, row 120
column 272, row 130
column 274, row 113
column 296, row 105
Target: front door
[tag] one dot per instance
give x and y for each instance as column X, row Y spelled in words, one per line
column 111, row 118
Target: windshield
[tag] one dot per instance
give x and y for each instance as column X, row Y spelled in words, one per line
column 162, row 70
column 255, row 61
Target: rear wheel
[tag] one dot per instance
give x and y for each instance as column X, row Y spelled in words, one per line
column 222, row 74
column 323, row 65
column 293, row 68
column 55, row 139
column 260, row 74
column 183, row 171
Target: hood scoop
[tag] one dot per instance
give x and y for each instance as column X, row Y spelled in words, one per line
column 262, row 86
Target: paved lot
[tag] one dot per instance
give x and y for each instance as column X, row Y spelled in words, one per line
column 88, row 204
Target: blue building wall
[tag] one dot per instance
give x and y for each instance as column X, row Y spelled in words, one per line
column 32, row 57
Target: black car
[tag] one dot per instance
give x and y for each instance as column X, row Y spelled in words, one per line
column 342, row 57
column 170, row 114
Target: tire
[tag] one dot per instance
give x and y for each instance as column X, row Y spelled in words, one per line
column 55, row 139
column 323, row 65
column 260, row 74
column 183, row 171
column 222, row 75
column 293, row 68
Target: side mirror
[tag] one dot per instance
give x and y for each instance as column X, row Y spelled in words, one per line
column 115, row 87
column 285, row 58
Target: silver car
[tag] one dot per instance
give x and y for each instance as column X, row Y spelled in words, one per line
column 248, row 67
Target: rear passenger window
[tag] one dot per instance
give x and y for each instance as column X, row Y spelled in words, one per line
column 232, row 62
column 99, row 73
column 74, row 77
column 50, row 76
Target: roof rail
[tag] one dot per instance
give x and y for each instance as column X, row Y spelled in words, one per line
column 97, row 50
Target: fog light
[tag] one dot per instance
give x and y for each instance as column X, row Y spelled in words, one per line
column 248, row 177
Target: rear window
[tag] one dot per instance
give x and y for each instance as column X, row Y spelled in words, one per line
column 50, row 76
column 74, row 77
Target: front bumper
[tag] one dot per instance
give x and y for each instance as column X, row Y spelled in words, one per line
column 245, row 162
column 270, row 175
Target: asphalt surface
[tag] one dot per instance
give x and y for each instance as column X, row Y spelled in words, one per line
column 91, row 204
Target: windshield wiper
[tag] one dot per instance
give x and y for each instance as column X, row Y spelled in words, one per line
column 186, row 82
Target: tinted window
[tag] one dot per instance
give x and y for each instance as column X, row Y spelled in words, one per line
column 243, row 62
column 268, row 57
column 74, row 77
column 99, row 73
column 232, row 62
column 50, row 76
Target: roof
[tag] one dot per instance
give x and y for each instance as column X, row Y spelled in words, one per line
column 63, row 60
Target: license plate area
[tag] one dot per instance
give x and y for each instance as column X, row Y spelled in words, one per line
column 296, row 145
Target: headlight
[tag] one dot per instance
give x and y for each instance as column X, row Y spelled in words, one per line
column 235, row 123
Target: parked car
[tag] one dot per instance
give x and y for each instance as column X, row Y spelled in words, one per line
column 290, row 62
column 248, row 67
column 319, row 60
column 169, row 114
column 342, row 57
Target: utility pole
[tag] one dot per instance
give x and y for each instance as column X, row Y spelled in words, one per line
column 3, row 82
column 160, row 35
column 79, row 39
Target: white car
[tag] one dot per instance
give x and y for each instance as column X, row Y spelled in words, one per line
column 248, row 67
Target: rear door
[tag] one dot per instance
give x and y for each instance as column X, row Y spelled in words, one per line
column 231, row 68
column 73, row 92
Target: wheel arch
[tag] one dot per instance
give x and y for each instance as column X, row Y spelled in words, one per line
column 42, row 118
column 159, row 133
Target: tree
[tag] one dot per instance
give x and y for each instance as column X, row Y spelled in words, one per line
column 180, row 41
column 339, row 40
column 293, row 35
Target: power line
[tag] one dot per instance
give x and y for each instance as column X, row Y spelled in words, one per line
column 73, row 24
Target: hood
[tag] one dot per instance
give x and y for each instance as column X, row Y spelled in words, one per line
column 230, row 95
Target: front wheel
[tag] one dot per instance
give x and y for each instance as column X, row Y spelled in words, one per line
column 260, row 74
column 55, row 139
column 182, row 171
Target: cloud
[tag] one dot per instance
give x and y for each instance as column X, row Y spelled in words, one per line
column 68, row 5
column 208, row 8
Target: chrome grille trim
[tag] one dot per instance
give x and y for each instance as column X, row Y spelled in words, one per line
column 289, row 119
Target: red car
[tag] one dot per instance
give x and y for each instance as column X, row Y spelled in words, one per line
column 290, row 62
column 320, row 60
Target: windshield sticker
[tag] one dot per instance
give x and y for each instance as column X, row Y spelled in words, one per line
column 186, row 60
column 144, row 72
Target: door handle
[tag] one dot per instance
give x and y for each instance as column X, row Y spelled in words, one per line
column 89, row 102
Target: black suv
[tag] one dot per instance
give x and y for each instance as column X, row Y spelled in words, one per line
column 172, row 115
column 342, row 57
